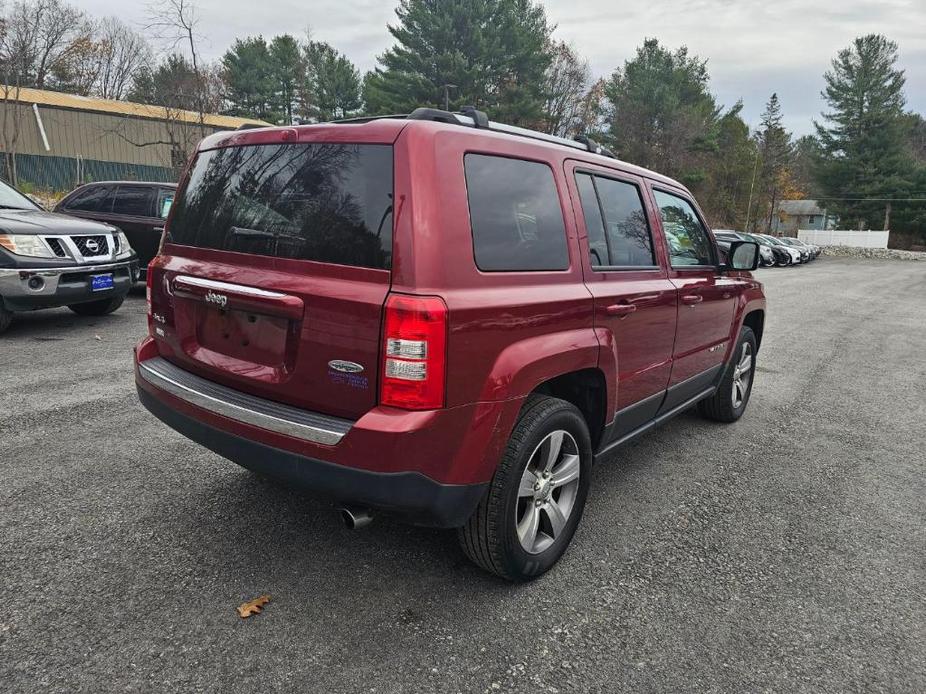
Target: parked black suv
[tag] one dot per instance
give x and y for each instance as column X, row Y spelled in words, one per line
column 49, row 260
column 138, row 209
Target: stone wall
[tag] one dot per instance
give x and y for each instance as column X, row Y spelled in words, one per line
column 879, row 253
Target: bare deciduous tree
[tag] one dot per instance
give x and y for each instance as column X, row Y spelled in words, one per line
column 122, row 53
column 175, row 22
column 566, row 86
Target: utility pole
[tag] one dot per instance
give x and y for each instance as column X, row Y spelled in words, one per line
column 752, row 186
column 447, row 88
column 887, row 217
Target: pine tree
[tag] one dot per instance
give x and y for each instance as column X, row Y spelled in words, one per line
column 487, row 53
column 288, row 70
column 775, row 150
column 332, row 83
column 662, row 115
column 863, row 140
column 250, row 81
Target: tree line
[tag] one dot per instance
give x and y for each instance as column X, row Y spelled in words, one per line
column 865, row 162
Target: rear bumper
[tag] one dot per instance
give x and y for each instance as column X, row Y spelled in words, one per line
column 410, row 495
column 431, row 467
column 60, row 286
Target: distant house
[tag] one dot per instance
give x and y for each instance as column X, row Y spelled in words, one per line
column 59, row 140
column 792, row 215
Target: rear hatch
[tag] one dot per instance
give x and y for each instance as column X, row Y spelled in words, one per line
column 275, row 269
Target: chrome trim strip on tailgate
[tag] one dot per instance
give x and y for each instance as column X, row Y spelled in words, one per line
column 227, row 287
column 266, row 414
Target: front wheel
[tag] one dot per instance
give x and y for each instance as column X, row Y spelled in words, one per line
column 534, row 503
column 97, row 308
column 732, row 396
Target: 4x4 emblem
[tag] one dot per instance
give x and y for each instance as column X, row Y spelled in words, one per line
column 346, row 367
column 217, row 299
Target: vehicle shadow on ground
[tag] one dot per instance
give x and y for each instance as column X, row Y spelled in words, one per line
column 50, row 324
column 245, row 524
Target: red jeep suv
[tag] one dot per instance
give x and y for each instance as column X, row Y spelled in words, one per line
column 441, row 318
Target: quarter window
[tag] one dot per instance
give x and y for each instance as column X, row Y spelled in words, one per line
column 618, row 231
column 515, row 213
column 686, row 237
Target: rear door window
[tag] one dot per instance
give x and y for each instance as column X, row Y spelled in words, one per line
column 515, row 213
column 135, row 201
column 92, row 199
column 330, row 203
column 618, row 231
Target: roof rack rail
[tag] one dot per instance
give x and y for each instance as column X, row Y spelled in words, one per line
column 469, row 116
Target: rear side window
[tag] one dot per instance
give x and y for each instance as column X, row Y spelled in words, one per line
column 330, row 203
column 618, row 231
column 516, row 218
column 92, row 199
column 135, row 201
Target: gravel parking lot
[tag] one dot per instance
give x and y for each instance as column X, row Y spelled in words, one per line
column 784, row 553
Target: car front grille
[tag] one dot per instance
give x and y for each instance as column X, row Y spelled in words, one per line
column 56, row 247
column 91, row 246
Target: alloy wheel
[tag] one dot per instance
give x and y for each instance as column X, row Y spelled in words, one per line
column 548, row 490
column 742, row 376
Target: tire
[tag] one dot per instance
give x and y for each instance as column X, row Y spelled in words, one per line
column 6, row 317
column 491, row 537
column 97, row 308
column 729, row 402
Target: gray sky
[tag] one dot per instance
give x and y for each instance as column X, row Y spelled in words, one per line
column 753, row 47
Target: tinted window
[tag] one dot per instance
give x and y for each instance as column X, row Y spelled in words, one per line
column 330, row 203
column 627, row 242
column 137, row 201
column 687, row 240
column 625, row 220
column 597, row 246
column 92, row 199
column 515, row 213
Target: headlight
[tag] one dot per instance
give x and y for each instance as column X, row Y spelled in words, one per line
column 25, row 244
column 125, row 248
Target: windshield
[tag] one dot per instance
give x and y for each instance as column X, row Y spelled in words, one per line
column 331, row 203
column 792, row 242
column 12, row 199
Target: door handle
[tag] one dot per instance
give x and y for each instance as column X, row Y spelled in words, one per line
column 620, row 309
column 157, row 229
column 692, row 299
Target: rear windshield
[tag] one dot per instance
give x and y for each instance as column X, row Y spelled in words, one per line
column 330, row 203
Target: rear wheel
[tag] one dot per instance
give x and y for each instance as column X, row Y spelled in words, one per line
column 97, row 308
column 6, row 317
column 732, row 396
column 534, row 503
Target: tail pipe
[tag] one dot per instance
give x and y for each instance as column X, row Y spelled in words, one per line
column 356, row 517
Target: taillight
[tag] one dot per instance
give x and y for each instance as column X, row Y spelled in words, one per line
column 414, row 352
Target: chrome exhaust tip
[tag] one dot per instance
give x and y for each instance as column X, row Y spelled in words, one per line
column 355, row 517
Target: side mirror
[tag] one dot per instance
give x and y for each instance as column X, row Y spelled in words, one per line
column 743, row 255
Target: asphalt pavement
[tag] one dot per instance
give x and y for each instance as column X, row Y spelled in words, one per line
column 785, row 553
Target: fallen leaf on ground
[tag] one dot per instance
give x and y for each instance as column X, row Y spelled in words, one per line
column 252, row 607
